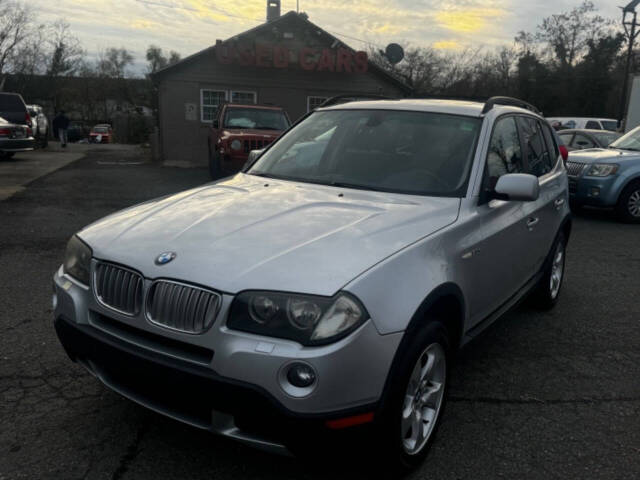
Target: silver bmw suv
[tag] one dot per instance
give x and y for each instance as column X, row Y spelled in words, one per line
column 324, row 291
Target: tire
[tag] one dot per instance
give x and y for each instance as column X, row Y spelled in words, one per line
column 628, row 207
column 398, row 448
column 6, row 155
column 45, row 141
column 547, row 291
column 215, row 165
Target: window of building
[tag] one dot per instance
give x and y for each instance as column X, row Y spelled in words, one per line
column 210, row 100
column 315, row 102
column 243, row 97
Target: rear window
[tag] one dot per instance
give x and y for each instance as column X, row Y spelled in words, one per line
column 609, row 125
column 11, row 103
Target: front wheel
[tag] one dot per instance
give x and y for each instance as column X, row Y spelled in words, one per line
column 416, row 399
column 628, row 207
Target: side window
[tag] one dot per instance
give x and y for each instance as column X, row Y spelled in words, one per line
column 505, row 154
column 592, row 124
column 537, row 159
column 566, row 138
column 552, row 145
column 581, row 142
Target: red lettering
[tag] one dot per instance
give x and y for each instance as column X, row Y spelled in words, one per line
column 280, row 57
column 246, row 56
column 305, row 62
column 362, row 62
column 344, row 61
column 326, row 62
column 263, row 55
column 222, row 53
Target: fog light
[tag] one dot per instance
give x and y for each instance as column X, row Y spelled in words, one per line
column 595, row 191
column 301, row 375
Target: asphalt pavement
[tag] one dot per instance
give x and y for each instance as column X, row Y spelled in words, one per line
column 539, row 395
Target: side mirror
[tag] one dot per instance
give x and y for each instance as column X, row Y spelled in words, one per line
column 216, row 124
column 253, row 156
column 518, row 186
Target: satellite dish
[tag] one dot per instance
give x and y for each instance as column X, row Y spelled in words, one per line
column 394, row 53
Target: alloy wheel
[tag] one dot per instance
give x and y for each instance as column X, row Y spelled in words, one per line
column 423, row 398
column 557, row 270
column 633, row 204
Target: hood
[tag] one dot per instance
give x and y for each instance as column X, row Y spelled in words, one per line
column 603, row 155
column 249, row 232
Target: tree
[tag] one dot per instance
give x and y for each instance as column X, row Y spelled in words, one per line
column 114, row 62
column 157, row 60
column 15, row 26
column 65, row 53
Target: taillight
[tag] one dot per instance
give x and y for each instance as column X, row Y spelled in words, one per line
column 564, row 152
column 29, row 132
column 27, row 118
column 5, row 131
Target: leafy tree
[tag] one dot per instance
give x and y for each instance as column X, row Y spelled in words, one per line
column 157, row 60
column 113, row 62
column 15, row 26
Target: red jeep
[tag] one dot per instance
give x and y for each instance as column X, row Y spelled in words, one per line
column 238, row 129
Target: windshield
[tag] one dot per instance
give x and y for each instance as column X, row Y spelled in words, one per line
column 629, row 141
column 611, row 125
column 605, row 138
column 255, row 118
column 393, row 151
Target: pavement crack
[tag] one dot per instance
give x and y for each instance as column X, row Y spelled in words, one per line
column 131, row 453
column 540, row 401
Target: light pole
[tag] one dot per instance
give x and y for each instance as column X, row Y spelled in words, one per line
column 630, row 30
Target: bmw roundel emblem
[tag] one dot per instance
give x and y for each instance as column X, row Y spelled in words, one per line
column 165, row 258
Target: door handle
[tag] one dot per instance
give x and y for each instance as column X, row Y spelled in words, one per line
column 532, row 222
column 559, row 202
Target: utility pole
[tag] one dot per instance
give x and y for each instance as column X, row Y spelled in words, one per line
column 631, row 32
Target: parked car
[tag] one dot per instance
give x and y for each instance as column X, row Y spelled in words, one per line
column 15, row 138
column 39, row 124
column 236, row 130
column 324, row 292
column 581, row 139
column 13, row 109
column 610, row 124
column 77, row 131
column 609, row 177
column 101, row 133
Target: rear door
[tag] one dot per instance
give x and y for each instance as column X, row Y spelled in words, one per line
column 543, row 216
column 13, row 108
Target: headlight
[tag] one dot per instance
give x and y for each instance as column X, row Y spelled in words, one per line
column 602, row 169
column 77, row 260
column 236, row 145
column 307, row 319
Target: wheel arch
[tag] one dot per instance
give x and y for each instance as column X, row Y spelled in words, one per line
column 629, row 181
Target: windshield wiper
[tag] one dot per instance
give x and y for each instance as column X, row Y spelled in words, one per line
column 261, row 127
column 357, row 186
column 626, row 148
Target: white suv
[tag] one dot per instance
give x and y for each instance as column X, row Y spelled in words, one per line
column 324, row 290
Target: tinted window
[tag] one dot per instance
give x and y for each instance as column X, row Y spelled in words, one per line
column 610, row 125
column 11, row 103
column 395, row 151
column 581, row 142
column 505, row 154
column 537, row 158
column 594, row 125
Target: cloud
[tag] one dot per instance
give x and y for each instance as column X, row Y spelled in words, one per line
column 447, row 45
column 469, row 20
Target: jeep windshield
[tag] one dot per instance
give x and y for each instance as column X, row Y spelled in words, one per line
column 256, row 119
column 383, row 150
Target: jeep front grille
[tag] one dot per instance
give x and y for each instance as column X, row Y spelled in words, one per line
column 181, row 307
column 118, row 288
column 255, row 145
column 574, row 168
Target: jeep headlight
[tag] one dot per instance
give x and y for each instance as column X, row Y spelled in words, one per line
column 77, row 260
column 602, row 169
column 307, row 319
column 236, row 145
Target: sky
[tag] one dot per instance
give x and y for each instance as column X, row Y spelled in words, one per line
column 188, row 26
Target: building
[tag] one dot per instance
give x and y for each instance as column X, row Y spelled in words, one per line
column 287, row 61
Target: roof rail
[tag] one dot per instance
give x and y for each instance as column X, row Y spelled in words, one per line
column 509, row 101
column 346, row 98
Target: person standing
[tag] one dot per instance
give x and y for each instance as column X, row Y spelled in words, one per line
column 61, row 124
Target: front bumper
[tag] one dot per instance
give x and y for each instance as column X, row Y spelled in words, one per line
column 223, row 381
column 594, row 191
